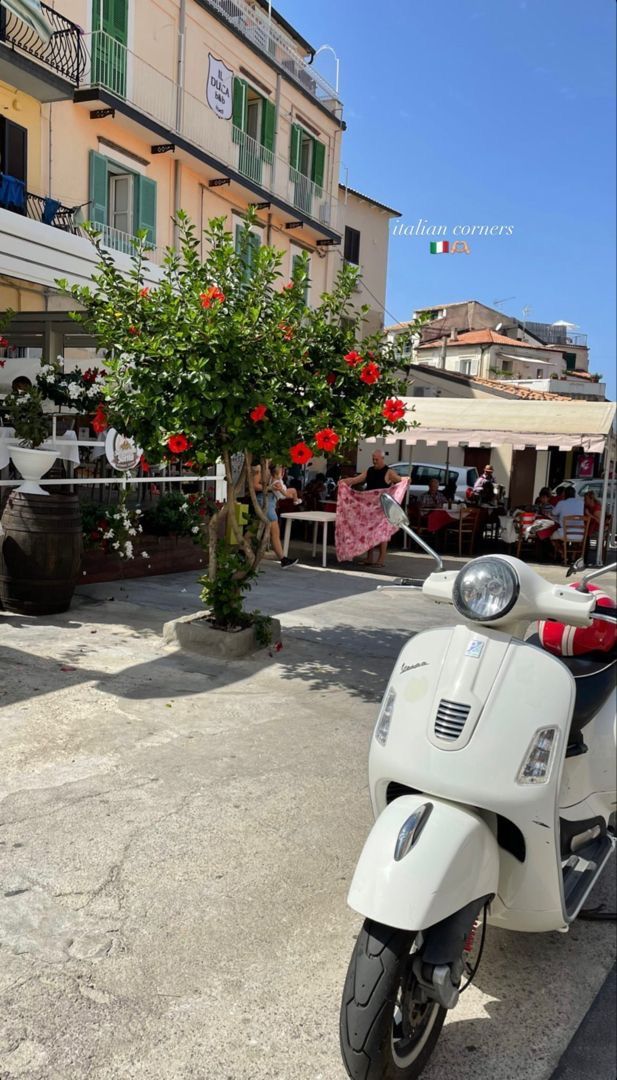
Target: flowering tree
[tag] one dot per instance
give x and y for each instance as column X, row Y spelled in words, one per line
column 219, row 361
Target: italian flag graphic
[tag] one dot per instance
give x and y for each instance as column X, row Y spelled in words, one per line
column 440, row 247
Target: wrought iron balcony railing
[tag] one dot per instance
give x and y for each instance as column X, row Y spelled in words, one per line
column 14, row 197
column 64, row 53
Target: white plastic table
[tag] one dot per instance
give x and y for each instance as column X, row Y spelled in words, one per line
column 323, row 517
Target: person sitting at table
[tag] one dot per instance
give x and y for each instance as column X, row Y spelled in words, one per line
column 543, row 503
column 593, row 510
column 570, row 506
column 432, row 498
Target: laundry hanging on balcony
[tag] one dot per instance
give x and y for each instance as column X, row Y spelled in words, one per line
column 30, row 13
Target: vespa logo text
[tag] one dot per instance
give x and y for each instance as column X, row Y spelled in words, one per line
column 411, row 667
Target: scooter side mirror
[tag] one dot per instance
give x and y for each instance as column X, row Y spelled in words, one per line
column 394, row 513
column 397, row 517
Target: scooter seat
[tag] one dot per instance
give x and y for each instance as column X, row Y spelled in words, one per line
column 594, row 675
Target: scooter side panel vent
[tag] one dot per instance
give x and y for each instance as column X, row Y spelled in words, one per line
column 451, row 719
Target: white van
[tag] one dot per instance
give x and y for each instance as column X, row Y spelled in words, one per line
column 421, row 473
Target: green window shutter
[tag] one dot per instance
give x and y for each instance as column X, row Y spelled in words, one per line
column 319, row 160
column 146, row 206
column 268, row 122
column 97, row 210
column 294, row 147
column 294, row 263
column 119, row 19
column 239, row 108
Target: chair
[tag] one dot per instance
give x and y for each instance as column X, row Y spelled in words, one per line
column 591, row 537
column 575, row 528
column 468, row 528
column 521, row 523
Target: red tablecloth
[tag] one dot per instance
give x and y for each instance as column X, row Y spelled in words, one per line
column 439, row 519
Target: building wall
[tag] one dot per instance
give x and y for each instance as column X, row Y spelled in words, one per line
column 373, row 224
column 28, row 113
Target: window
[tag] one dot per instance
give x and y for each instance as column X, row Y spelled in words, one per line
column 297, row 258
column 307, row 158
column 248, row 253
column 570, row 359
column 121, row 200
column 467, row 365
column 351, row 250
column 109, row 39
column 13, row 150
column 254, row 123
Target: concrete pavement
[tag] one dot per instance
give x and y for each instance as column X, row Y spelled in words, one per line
column 177, row 838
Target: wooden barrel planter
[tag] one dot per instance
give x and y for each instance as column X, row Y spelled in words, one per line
column 40, row 553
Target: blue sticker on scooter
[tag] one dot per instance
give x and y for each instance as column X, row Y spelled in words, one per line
column 475, row 648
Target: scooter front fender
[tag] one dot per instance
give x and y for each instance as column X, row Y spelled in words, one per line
column 453, row 860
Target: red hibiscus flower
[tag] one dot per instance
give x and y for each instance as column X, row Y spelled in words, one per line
column 178, row 443
column 394, row 409
column 99, row 420
column 287, row 331
column 144, row 292
column 370, row 373
column 210, row 295
column 4, row 343
column 352, row 358
column 327, row 439
column 133, row 330
column 258, row 413
column 289, row 285
column 90, row 375
column 300, row 453
column 145, row 468
column 331, row 379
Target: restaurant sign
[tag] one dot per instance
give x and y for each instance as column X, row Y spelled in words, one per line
column 121, row 451
column 219, row 87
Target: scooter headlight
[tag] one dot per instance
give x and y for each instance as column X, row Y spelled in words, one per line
column 486, row 589
column 384, row 719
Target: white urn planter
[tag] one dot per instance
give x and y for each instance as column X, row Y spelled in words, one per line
column 32, row 464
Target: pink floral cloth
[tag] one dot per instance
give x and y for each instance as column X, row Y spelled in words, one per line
column 360, row 521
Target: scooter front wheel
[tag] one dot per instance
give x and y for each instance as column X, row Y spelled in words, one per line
column 387, row 1032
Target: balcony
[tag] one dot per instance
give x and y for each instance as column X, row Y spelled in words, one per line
column 124, row 243
column 14, row 197
column 264, row 33
column 152, row 94
column 48, row 71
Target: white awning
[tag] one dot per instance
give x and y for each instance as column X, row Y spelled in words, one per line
column 30, row 13
column 517, row 423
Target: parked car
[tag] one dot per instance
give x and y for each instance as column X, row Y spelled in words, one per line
column 422, row 472
column 581, row 486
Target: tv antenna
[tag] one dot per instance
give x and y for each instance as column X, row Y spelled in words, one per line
column 496, row 303
column 526, row 311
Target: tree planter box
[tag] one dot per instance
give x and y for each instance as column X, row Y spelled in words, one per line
column 166, row 555
column 196, row 634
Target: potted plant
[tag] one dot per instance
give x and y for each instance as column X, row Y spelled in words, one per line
column 223, row 360
column 24, row 409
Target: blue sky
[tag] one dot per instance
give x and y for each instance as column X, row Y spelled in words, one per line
column 498, row 112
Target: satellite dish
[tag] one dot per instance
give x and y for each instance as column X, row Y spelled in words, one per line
column 499, row 326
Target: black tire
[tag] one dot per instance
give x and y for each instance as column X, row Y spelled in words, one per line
column 381, row 1039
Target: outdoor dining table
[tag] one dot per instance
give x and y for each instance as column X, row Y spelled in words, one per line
column 439, row 518
column 317, row 517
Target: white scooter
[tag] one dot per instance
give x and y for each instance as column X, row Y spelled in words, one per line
column 492, row 804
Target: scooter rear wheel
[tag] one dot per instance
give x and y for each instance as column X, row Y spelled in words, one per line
column 385, row 1033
